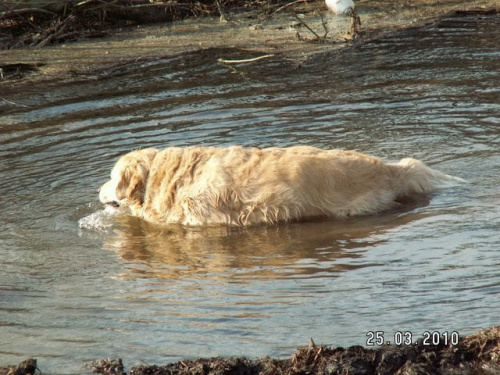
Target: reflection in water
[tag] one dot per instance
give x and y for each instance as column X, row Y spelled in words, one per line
column 293, row 250
column 143, row 292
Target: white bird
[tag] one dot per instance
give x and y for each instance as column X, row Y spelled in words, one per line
column 340, row 6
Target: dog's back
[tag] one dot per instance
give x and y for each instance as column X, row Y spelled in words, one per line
column 246, row 186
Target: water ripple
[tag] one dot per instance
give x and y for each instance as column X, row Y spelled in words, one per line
column 120, row 287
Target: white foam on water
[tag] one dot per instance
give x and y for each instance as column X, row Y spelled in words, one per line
column 99, row 221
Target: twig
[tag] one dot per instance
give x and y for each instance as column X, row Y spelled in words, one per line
column 325, row 26
column 306, row 26
column 225, row 61
column 85, row 2
column 222, row 17
column 104, row 3
column 16, row 104
column 17, row 12
column 284, row 7
column 355, row 24
column 54, row 32
column 108, row 4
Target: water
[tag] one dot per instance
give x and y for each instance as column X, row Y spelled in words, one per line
column 125, row 288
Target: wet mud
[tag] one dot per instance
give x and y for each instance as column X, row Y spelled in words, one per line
column 475, row 354
column 68, row 42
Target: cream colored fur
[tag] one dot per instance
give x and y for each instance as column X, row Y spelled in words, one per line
column 245, row 186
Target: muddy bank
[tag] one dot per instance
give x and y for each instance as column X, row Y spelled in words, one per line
column 475, row 354
column 39, row 23
column 292, row 31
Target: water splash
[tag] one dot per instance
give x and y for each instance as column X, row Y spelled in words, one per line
column 99, row 221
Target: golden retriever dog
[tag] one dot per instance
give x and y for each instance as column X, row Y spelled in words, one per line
column 245, row 186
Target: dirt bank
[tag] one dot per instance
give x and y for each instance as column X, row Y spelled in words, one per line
column 293, row 30
column 475, row 354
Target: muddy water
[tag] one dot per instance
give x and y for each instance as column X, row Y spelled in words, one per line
column 119, row 287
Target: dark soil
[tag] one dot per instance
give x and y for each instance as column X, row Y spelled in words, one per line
column 476, row 354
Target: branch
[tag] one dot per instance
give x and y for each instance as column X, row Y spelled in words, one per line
column 306, row 26
column 224, row 61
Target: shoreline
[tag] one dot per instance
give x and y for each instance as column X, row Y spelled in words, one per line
column 475, row 354
column 285, row 34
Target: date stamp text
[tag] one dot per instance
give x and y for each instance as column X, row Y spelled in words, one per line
column 427, row 338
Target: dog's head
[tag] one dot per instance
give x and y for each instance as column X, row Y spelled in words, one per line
column 129, row 176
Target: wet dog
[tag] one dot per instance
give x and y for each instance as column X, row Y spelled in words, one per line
column 245, row 186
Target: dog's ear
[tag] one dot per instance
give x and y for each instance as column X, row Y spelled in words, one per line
column 133, row 179
column 132, row 183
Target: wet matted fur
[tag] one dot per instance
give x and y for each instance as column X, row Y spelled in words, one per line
column 245, row 186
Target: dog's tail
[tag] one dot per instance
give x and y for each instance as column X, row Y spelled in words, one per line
column 414, row 177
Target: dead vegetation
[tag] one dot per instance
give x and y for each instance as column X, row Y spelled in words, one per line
column 27, row 367
column 352, row 34
column 478, row 354
column 38, row 23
